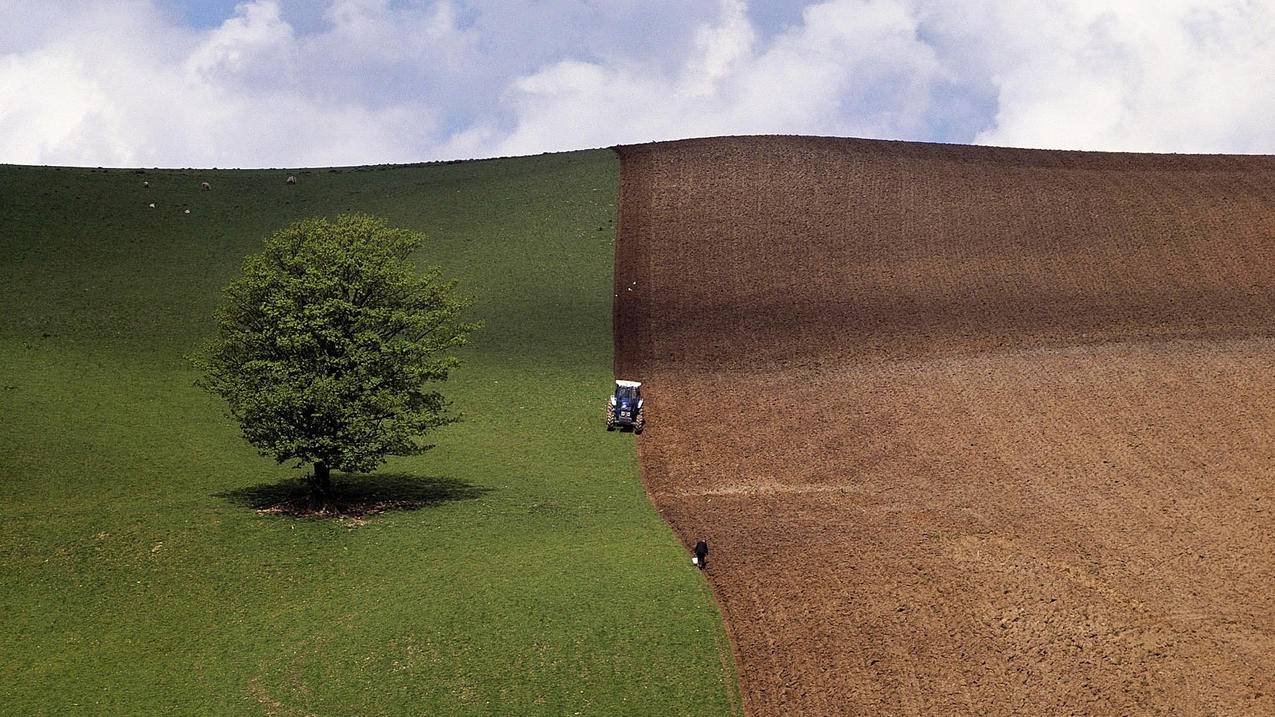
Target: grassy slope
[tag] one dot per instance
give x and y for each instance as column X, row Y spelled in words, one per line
column 133, row 585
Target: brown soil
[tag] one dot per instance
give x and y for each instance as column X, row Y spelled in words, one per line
column 969, row 430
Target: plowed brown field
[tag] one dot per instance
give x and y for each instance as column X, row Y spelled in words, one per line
column 969, row 430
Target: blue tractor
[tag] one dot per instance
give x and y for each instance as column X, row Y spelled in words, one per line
column 624, row 410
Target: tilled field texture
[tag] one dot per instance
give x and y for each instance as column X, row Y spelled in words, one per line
column 968, row 430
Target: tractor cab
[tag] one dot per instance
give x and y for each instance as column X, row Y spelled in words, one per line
column 624, row 410
column 628, row 391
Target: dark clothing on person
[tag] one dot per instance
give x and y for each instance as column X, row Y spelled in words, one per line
column 701, row 554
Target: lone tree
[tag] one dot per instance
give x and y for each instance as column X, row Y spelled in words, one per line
column 327, row 344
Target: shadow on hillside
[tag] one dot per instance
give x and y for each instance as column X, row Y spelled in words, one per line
column 353, row 496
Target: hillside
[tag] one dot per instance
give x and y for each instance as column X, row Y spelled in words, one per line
column 138, row 579
column 969, row 430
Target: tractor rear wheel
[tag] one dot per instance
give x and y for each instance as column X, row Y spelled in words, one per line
column 639, row 424
column 610, row 419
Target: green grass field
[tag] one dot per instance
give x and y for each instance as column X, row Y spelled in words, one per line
column 539, row 581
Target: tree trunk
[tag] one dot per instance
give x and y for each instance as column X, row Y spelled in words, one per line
column 321, row 481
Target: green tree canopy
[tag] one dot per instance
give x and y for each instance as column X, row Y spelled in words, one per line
column 328, row 342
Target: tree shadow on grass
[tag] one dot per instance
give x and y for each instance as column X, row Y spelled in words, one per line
column 353, row 496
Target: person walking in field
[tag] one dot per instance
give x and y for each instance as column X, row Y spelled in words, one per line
column 701, row 554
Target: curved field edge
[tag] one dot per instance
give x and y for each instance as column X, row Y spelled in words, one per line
column 135, row 585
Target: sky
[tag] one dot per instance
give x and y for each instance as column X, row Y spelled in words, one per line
column 291, row 83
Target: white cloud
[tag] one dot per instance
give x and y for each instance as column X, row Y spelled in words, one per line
column 1142, row 75
column 123, row 82
column 58, row 104
column 853, row 66
column 227, row 97
column 719, row 50
column 258, row 38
